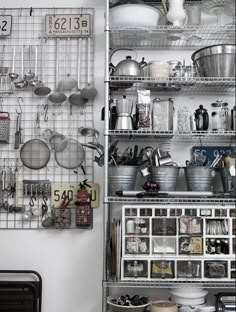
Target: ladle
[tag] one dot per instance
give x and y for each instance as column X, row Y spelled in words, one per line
column 57, row 97
column 67, row 83
column 41, row 89
column 35, row 82
column 3, row 69
column 22, row 83
column 13, row 76
column 76, row 98
column 30, row 75
column 89, row 92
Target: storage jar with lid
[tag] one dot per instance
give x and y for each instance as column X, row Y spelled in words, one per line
column 162, row 114
column 184, row 119
column 220, row 116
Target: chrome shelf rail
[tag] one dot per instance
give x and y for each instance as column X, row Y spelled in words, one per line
column 170, row 284
column 189, row 36
column 173, row 200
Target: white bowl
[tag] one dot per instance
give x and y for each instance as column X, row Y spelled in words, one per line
column 134, row 15
column 189, row 293
column 188, row 301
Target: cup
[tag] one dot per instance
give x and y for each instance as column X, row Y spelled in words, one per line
column 194, row 14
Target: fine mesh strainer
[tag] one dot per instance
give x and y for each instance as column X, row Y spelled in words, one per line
column 72, row 156
column 35, row 154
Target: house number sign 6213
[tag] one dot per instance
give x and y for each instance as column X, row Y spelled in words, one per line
column 68, row 25
column 5, row 25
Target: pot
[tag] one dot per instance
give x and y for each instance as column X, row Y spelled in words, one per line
column 145, row 15
column 164, row 306
column 215, row 61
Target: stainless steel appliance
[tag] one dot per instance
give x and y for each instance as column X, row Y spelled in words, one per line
column 226, row 302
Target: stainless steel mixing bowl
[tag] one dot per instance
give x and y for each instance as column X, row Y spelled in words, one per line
column 215, row 61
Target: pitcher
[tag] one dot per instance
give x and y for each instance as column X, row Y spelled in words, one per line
column 176, row 13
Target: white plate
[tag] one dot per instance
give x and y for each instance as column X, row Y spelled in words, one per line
column 189, row 292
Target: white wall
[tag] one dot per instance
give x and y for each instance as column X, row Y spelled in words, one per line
column 70, row 262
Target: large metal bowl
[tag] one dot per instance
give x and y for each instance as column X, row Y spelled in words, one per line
column 215, row 61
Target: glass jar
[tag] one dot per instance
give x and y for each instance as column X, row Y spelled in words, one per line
column 184, row 119
column 220, row 116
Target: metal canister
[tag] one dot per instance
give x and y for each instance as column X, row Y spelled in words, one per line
column 233, row 118
column 173, row 64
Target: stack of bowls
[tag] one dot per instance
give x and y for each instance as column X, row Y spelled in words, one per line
column 188, row 296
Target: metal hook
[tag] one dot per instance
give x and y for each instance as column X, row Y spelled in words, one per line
column 45, row 112
column 18, row 101
column 32, row 199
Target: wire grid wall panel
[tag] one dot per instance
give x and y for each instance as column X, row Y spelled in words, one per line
column 28, row 49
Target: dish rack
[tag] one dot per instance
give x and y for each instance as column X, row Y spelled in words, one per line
column 21, row 291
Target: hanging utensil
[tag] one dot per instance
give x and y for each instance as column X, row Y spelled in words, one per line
column 13, row 75
column 3, row 69
column 67, row 83
column 35, row 82
column 22, row 83
column 57, row 96
column 89, row 92
column 76, row 98
column 42, row 89
column 30, row 75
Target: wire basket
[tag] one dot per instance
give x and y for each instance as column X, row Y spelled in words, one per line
column 4, row 127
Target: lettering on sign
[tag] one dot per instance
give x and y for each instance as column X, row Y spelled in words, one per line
column 5, row 25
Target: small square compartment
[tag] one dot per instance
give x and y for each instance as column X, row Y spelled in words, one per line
column 164, row 226
column 217, row 227
column 189, row 269
column 130, row 212
column 190, row 212
column 190, row 245
column 190, row 225
column 220, row 213
column 135, row 268
column 205, row 212
column 215, row 269
column 234, row 227
column 162, row 269
column 160, row 212
column 163, row 245
column 145, row 212
column 175, row 212
column 137, row 226
column 136, row 245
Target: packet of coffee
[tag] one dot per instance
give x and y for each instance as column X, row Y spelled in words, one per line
column 144, row 110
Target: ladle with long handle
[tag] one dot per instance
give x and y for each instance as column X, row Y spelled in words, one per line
column 30, row 75
column 41, row 89
column 76, row 98
column 35, row 82
column 13, row 75
column 57, row 97
column 22, row 83
column 89, row 92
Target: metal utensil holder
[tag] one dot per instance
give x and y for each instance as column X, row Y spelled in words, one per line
column 4, row 127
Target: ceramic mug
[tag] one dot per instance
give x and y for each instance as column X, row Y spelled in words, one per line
column 164, row 306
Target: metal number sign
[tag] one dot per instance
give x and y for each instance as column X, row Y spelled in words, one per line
column 68, row 25
column 211, row 152
column 5, row 25
column 60, row 191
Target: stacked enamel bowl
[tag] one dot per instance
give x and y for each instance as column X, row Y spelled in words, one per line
column 188, row 299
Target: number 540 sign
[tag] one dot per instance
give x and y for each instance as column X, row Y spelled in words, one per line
column 68, row 25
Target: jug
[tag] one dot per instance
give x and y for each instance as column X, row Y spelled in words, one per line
column 124, row 111
column 127, row 67
column 176, row 13
column 201, row 118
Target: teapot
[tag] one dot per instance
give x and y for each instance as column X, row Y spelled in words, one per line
column 201, row 118
column 127, row 67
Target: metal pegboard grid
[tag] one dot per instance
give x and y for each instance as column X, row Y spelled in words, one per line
column 189, row 36
column 28, row 33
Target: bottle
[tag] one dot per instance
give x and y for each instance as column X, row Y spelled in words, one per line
column 233, row 118
column 218, row 246
column 113, row 114
column 226, row 247
column 130, row 226
column 201, row 118
column 212, row 246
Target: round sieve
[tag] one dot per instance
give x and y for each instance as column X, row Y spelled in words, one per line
column 58, row 142
column 72, row 156
column 35, row 154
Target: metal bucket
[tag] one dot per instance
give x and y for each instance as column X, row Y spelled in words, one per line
column 200, row 179
column 122, row 178
column 165, row 176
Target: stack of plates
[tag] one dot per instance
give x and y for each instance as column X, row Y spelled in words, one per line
column 188, row 296
column 206, row 309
